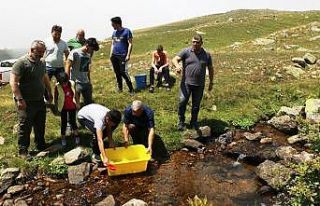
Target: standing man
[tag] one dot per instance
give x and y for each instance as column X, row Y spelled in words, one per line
column 28, row 81
column 78, row 64
column 101, row 121
column 56, row 49
column 160, row 66
column 120, row 52
column 195, row 61
column 139, row 124
column 78, row 41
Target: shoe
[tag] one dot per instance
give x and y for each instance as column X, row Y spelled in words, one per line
column 119, row 90
column 23, row 153
column 41, row 147
column 151, row 90
column 77, row 140
column 96, row 159
column 168, row 89
column 131, row 93
column 181, row 126
column 166, row 85
column 63, row 141
column 194, row 125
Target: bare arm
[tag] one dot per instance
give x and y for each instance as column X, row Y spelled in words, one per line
column 150, row 139
column 125, row 132
column 47, row 84
column 68, row 67
column 99, row 133
column 175, row 62
column 66, row 53
column 153, row 62
column 129, row 49
column 111, row 48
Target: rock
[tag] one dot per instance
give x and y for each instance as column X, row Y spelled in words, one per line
column 43, row 154
column 21, row 178
column 315, row 29
column 74, row 155
column 8, row 202
column 16, row 189
column 225, row 138
column 285, row 124
column 263, row 42
column 266, row 140
column 135, row 202
column 303, row 157
column 203, row 132
column 312, row 110
column 192, row 144
column 314, row 38
column 309, row 58
column 10, row 172
column 299, row 61
column 108, row 201
column 296, row 138
column 21, row 203
column 1, row 140
column 7, row 196
column 293, row 112
column 276, row 175
column 286, row 152
column 250, row 136
column 294, row 71
column 78, row 173
column 7, row 178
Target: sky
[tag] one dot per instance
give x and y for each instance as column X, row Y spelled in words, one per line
column 23, row 21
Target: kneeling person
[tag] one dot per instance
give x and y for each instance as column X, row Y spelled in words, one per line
column 101, row 121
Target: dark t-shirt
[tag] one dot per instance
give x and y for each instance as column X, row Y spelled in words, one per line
column 120, row 41
column 146, row 120
column 194, row 66
column 31, row 76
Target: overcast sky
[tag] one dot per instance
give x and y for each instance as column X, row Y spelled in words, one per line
column 25, row 20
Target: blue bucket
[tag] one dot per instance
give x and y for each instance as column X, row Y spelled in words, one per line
column 141, row 81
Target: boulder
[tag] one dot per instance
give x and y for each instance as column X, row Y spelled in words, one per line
column 10, row 172
column 266, row 140
column 312, row 110
column 78, row 173
column 74, row 155
column 303, row 157
column 253, row 136
column 203, row 132
column 7, row 178
column 276, row 175
column 225, row 138
column 285, row 124
column 286, row 152
column 291, row 111
column 192, row 144
column 135, row 202
column 108, row 201
column 8, row 202
column 294, row 71
column 296, row 138
column 15, row 189
column 309, row 58
column 300, row 61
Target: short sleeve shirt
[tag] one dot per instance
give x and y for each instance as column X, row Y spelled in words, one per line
column 120, row 41
column 95, row 113
column 80, row 65
column 55, row 52
column 146, row 120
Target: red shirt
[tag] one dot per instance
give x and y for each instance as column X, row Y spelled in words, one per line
column 68, row 97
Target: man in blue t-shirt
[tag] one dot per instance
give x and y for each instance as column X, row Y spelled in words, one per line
column 120, row 52
column 139, row 124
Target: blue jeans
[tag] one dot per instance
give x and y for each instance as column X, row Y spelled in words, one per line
column 85, row 89
column 186, row 90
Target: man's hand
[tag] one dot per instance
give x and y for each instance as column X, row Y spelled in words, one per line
column 105, row 161
column 210, row 86
column 21, row 104
column 126, row 144
column 178, row 70
column 127, row 58
column 149, row 150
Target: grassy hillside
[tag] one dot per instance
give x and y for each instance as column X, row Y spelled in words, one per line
column 250, row 80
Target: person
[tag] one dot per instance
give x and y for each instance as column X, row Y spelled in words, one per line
column 28, row 81
column 67, row 104
column 120, row 52
column 101, row 121
column 139, row 124
column 195, row 60
column 160, row 66
column 78, row 41
column 56, row 48
column 78, row 69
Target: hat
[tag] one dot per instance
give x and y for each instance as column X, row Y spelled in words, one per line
column 136, row 105
column 92, row 42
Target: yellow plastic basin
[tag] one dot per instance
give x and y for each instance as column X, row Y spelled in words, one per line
column 132, row 159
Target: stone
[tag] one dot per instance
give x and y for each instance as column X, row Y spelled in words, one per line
column 314, row 38
column 276, row 175
column 284, row 123
column 291, row 111
column 2, row 140
column 225, row 138
column 294, row 71
column 10, row 172
column 7, row 178
column 296, row 138
column 303, row 157
column 312, row 110
column 286, row 152
column 15, row 189
column 252, row 136
column 266, row 140
column 192, row 144
column 7, row 196
column 78, row 173
column 263, row 42
column 299, row 61
column 135, row 202
column 74, row 155
column 8, row 202
column 21, row 178
column 309, row 58
column 43, row 154
column 21, row 203
column 108, row 201
column 203, row 132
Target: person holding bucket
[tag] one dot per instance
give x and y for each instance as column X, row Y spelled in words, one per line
column 139, row 124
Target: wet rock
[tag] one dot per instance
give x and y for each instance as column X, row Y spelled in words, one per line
column 313, row 110
column 7, row 196
column 303, row 157
column 276, row 175
column 296, row 138
column 192, row 144
column 263, row 42
column 285, row 124
column 294, row 71
column 253, row 136
column 78, row 173
column 16, row 189
column 225, row 138
column 286, row 152
column 266, row 140
column 309, row 58
column 1, row 140
column 291, row 111
column 74, row 155
column 8, row 202
column 135, row 202
column 108, row 201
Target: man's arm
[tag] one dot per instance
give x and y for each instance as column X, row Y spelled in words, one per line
column 111, row 49
column 99, row 133
column 125, row 132
column 14, row 83
column 211, row 74
column 46, row 82
column 166, row 62
column 175, row 62
column 66, row 53
column 153, row 62
column 129, row 49
column 68, row 67
column 150, row 139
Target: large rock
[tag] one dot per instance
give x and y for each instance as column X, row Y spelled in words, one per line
column 309, row 58
column 291, row 111
column 253, row 136
column 16, row 189
column 299, row 61
column 192, row 144
column 276, row 175
column 285, row 124
column 225, row 138
column 10, row 172
column 108, row 201
column 303, row 157
column 78, row 173
column 294, row 71
column 7, row 178
column 263, row 42
column 74, row 155
column 203, row 132
column 135, row 202
column 314, row 38
column 8, row 202
column 286, row 152
column 296, row 138
column 313, row 110
column 2, row 140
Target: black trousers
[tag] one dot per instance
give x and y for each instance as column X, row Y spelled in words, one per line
column 164, row 73
column 64, row 120
column 119, row 68
column 34, row 116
